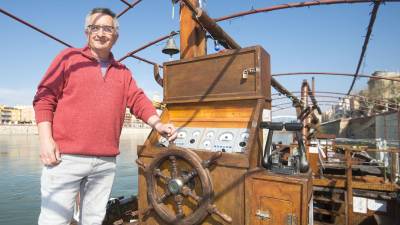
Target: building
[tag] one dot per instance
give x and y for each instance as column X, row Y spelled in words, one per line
column 27, row 114
column 17, row 115
column 9, row 115
column 385, row 89
column 131, row 121
column 381, row 96
column 5, row 114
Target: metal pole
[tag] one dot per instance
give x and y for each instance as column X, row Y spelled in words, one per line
column 304, row 99
column 336, row 74
column 33, row 27
column 366, row 40
column 130, row 6
column 147, row 45
column 295, row 5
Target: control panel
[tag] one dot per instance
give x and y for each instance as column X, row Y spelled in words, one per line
column 231, row 140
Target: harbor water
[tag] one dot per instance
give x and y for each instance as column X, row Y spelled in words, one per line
column 20, row 169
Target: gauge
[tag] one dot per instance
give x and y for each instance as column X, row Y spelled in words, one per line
column 196, row 134
column 245, row 135
column 181, row 135
column 210, row 134
column 227, row 136
column 207, row 144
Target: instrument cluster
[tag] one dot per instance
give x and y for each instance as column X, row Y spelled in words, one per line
column 231, row 140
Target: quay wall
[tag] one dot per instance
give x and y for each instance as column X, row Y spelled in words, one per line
column 385, row 126
column 18, row 129
column 32, row 130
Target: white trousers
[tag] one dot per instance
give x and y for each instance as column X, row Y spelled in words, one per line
column 91, row 176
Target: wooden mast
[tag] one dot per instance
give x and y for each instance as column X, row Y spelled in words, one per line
column 192, row 36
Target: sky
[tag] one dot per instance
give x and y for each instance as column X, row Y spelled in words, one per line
column 319, row 38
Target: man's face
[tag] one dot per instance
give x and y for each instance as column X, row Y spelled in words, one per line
column 101, row 33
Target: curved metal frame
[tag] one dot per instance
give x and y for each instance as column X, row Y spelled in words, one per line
column 335, row 74
column 296, row 5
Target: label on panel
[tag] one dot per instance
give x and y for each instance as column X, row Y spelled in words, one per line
column 377, row 205
column 359, row 205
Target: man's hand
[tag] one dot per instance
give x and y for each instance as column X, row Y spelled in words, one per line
column 49, row 152
column 167, row 130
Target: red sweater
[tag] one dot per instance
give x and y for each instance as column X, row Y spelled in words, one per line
column 86, row 110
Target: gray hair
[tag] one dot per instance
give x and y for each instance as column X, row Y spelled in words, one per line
column 102, row 11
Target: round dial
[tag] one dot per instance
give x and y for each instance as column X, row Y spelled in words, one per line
column 227, row 136
column 181, row 135
column 207, row 144
column 196, row 134
column 210, row 134
column 244, row 135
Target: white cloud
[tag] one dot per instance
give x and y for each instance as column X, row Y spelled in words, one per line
column 12, row 97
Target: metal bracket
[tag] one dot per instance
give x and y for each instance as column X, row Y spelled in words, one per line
column 248, row 71
column 291, row 219
column 263, row 215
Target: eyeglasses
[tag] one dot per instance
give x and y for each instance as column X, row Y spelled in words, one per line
column 106, row 29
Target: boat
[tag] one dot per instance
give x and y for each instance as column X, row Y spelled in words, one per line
column 224, row 167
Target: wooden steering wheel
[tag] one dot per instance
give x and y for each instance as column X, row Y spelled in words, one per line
column 184, row 195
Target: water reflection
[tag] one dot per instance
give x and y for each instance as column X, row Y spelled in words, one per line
column 20, row 169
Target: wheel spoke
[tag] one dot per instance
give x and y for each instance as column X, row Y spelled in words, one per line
column 189, row 176
column 174, row 167
column 164, row 196
column 178, row 201
column 158, row 173
column 187, row 192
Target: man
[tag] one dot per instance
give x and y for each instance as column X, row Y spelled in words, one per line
column 80, row 106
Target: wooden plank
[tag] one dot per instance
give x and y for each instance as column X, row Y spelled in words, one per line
column 340, row 183
column 192, row 36
column 326, row 212
column 328, row 200
column 230, row 111
column 349, row 189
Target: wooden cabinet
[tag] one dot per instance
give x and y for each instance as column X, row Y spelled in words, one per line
column 235, row 74
column 277, row 199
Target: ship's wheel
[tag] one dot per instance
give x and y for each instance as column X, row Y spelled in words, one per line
column 179, row 187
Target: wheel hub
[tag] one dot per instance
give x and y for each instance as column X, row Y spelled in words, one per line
column 175, row 186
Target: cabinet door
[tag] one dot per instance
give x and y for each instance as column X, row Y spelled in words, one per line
column 273, row 211
column 274, row 202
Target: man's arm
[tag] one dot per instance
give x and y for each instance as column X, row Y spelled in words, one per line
column 45, row 103
column 49, row 152
column 166, row 130
column 142, row 108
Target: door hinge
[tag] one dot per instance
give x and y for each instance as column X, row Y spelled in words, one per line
column 291, row 219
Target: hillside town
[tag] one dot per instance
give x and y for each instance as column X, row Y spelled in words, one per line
column 380, row 96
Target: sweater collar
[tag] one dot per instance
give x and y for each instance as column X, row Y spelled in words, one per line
column 87, row 53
